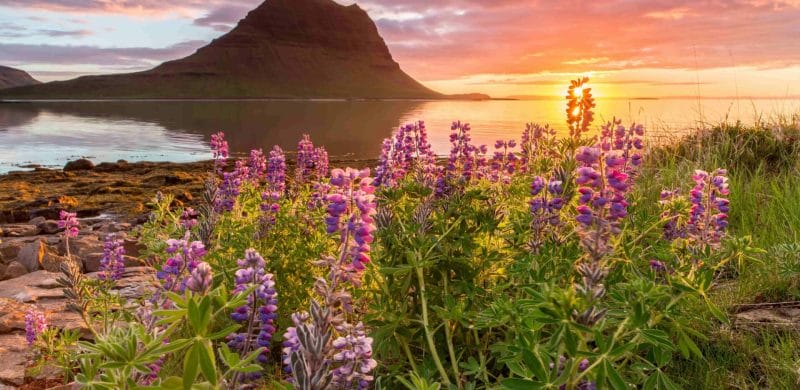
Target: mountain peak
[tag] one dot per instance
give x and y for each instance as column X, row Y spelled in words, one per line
column 12, row 77
column 281, row 49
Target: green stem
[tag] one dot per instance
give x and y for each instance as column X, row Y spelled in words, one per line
column 426, row 325
column 409, row 355
column 449, row 336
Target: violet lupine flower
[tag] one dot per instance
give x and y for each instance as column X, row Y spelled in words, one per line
column 35, row 324
column 188, row 218
column 112, row 265
column 230, row 188
column 579, row 107
column 602, row 205
column 537, row 143
column 657, row 266
column 257, row 165
column 504, row 161
column 185, row 256
column 671, row 211
column 261, row 309
column 311, row 162
column 276, row 186
column 351, row 210
column 219, row 151
column 545, row 207
column 627, row 142
column 201, row 278
column 353, row 354
column 408, row 151
column 708, row 217
column 69, row 222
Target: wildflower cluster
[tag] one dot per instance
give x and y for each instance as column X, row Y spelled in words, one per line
column 259, row 314
column 311, row 162
column 257, row 165
column 351, row 210
column 112, row 265
column 69, row 222
column 230, row 187
column 276, row 185
column 408, row 151
column 466, row 159
column 708, row 217
column 219, row 151
column 627, row 143
column 537, row 143
column 504, row 161
column 35, row 324
column 185, row 256
column 545, row 205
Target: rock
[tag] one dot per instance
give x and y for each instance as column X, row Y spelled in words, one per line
column 79, row 165
column 37, row 221
column 50, row 227
column 47, row 212
column 20, row 230
column 12, row 315
column 52, row 262
column 133, row 247
column 32, row 287
column 13, row 349
column 9, row 249
column 81, row 246
column 31, row 255
column 14, row 270
column 3, row 268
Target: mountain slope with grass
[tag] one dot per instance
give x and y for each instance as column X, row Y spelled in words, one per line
column 282, row 49
column 10, row 78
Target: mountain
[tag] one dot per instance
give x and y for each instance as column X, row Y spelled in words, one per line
column 282, row 49
column 10, row 78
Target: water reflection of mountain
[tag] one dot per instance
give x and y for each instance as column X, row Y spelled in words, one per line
column 344, row 127
column 16, row 114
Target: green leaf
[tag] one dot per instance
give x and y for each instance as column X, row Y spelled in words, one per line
column 614, row 378
column 658, row 338
column 190, row 367
column 224, row 332
column 208, row 364
column 520, row 384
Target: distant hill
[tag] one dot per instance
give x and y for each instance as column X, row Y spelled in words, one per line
column 10, row 78
column 282, row 49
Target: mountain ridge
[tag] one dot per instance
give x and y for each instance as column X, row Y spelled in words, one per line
column 291, row 49
column 12, row 77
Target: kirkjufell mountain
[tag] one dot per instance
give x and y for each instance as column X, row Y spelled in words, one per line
column 282, row 49
column 10, row 78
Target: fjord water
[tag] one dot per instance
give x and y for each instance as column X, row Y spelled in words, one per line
column 51, row 133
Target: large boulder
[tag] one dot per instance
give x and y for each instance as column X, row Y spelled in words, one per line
column 31, row 255
column 9, row 249
column 19, row 230
column 79, row 165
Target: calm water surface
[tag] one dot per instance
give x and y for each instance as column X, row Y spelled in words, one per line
column 52, row 133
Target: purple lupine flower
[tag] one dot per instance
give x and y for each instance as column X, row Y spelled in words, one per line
column 200, row 278
column 671, row 211
column 230, row 188
column 708, row 217
column 408, row 151
column 69, row 222
column 291, row 343
column 35, row 324
column 188, row 218
column 351, row 210
column 112, row 265
column 579, row 107
column 184, row 257
column 260, row 311
column 545, row 207
column 353, row 354
column 311, row 162
column 537, row 143
column 504, row 161
column 276, row 186
column 657, row 266
column 257, row 165
column 626, row 142
column 219, row 151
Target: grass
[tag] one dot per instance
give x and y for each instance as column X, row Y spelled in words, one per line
column 764, row 170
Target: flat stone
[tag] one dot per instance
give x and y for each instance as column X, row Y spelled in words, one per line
column 20, row 230
column 12, row 315
column 14, row 350
column 37, row 221
column 52, row 262
column 32, row 287
column 14, row 270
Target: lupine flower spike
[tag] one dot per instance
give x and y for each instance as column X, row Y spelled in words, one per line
column 35, row 324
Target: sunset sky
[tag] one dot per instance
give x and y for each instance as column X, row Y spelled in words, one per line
column 746, row 48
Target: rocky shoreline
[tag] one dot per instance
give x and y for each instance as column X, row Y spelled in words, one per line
column 108, row 198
